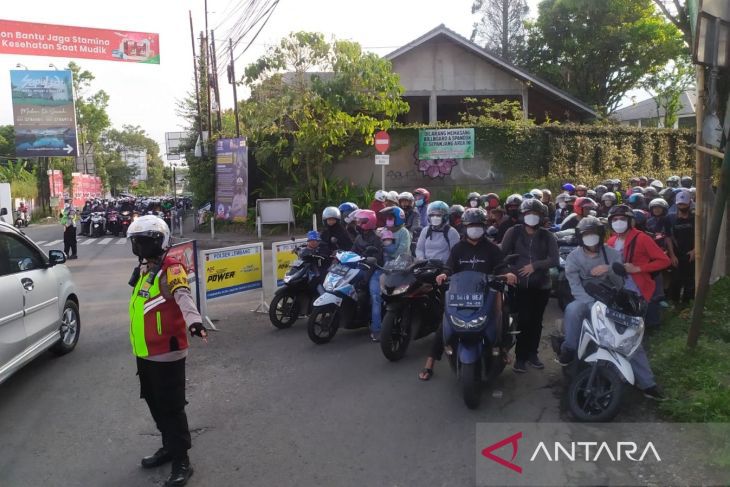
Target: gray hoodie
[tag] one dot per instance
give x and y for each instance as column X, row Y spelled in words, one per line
column 435, row 245
column 578, row 268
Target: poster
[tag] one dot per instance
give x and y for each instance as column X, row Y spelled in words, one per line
column 32, row 39
column 43, row 110
column 446, row 143
column 233, row 270
column 85, row 187
column 231, row 176
column 282, row 256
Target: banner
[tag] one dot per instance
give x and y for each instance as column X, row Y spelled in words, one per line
column 187, row 254
column 446, row 144
column 55, row 183
column 43, row 110
column 231, row 176
column 233, row 270
column 32, row 39
column 283, row 256
column 85, row 186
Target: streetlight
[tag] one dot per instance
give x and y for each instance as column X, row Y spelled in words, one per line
column 53, row 66
column 21, row 66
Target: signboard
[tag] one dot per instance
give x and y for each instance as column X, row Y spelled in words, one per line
column 282, row 257
column 187, row 254
column 85, row 186
column 55, row 182
column 32, row 39
column 43, row 110
column 233, row 270
column 446, row 144
column 382, row 142
column 231, row 176
column 173, row 140
column 382, row 159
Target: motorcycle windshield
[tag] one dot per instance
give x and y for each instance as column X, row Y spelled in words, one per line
column 400, row 263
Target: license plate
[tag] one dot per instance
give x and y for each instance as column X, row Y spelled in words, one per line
column 466, row 300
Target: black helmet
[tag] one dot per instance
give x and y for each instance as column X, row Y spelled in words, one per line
column 620, row 210
column 686, row 182
column 533, row 205
column 474, row 216
column 673, row 181
column 456, row 210
column 589, row 224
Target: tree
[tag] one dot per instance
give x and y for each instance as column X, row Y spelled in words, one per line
column 92, row 118
column 133, row 137
column 303, row 121
column 7, row 140
column 119, row 173
column 501, row 26
column 667, row 86
column 21, row 179
column 677, row 13
column 598, row 50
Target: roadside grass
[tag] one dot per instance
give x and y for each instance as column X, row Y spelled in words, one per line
column 696, row 382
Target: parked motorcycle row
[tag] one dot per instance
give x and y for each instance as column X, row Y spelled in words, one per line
column 101, row 217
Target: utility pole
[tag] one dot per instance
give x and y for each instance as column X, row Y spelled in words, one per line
column 232, row 80
column 195, row 73
column 204, row 46
column 214, row 79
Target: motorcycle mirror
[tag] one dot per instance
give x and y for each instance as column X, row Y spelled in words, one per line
column 619, row 269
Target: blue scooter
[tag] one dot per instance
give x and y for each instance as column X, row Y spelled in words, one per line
column 480, row 329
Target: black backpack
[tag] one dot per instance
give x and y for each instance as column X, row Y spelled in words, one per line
column 445, row 231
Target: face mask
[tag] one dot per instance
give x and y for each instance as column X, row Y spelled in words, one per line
column 607, row 203
column 419, row 203
column 435, row 220
column 387, row 243
column 389, row 222
column 473, row 203
column 591, row 240
column 532, row 220
column 389, row 248
column 619, row 226
column 562, row 204
column 475, row 233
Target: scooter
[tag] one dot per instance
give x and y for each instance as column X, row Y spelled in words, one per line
column 479, row 329
column 299, row 291
column 85, row 224
column 19, row 220
column 113, row 223
column 413, row 303
column 125, row 219
column 607, row 341
column 345, row 300
column 98, row 224
column 567, row 242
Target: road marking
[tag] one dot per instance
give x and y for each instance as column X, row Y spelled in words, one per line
column 105, row 241
column 88, row 241
column 51, row 244
column 40, row 242
column 121, row 241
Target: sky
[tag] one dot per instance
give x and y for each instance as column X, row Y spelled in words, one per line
column 146, row 95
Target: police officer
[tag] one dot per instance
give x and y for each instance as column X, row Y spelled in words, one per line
column 160, row 309
column 68, row 220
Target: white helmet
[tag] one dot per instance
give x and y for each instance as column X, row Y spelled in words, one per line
column 392, row 196
column 380, row 195
column 149, row 226
column 405, row 195
column 537, row 193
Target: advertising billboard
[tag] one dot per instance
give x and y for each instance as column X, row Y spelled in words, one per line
column 32, row 39
column 43, row 110
column 233, row 270
column 231, row 173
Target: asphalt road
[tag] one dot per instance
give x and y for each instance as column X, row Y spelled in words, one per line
column 266, row 406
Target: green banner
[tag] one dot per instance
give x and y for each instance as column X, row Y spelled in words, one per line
column 446, row 144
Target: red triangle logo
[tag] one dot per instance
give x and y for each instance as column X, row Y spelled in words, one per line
column 487, row 452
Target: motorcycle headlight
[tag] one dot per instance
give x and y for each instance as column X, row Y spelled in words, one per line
column 400, row 289
column 625, row 342
column 287, row 278
column 475, row 323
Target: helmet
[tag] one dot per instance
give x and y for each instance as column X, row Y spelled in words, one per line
column 366, row 219
column 610, row 196
column 589, row 224
column 438, row 208
column 386, row 234
column 634, row 181
column 581, row 203
column 656, row 184
column 659, row 202
column 528, row 196
column 600, row 190
column 492, row 200
column 643, row 181
column 608, row 183
column 686, row 182
column 561, row 198
column 313, row 235
column 331, row 212
column 548, row 193
column 456, row 210
column 650, row 193
column 592, row 194
column 667, row 194
column 422, row 192
column 399, row 216
column 405, row 195
column 620, row 210
column 150, row 236
column 472, row 196
column 536, row 193
column 568, row 187
column 474, row 216
column 380, row 195
column 673, row 181
column 683, row 197
column 640, row 219
column 392, row 196
column 581, row 188
column 533, row 204
column 347, row 208
column 636, row 199
column 513, row 200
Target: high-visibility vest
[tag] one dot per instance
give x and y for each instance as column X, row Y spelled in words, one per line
column 156, row 324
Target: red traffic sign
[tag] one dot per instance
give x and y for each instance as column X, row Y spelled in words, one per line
column 382, row 142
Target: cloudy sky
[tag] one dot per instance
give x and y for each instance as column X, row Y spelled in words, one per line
column 146, row 94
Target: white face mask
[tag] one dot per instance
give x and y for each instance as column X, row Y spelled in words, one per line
column 435, row 220
column 619, row 226
column 475, row 233
column 591, row 240
column 532, row 220
column 473, row 203
column 562, row 204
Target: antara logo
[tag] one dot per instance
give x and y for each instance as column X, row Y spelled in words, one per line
column 589, row 451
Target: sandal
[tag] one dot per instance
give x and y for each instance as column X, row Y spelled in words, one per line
column 425, row 374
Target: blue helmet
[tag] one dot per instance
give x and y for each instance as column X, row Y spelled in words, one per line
column 438, row 207
column 399, row 216
column 347, row 207
column 313, row 235
column 568, row 187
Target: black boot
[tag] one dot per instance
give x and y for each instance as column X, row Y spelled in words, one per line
column 160, row 457
column 181, row 472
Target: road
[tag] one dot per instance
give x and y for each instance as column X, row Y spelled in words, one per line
column 267, row 407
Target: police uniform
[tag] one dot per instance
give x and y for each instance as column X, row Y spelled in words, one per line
column 68, row 220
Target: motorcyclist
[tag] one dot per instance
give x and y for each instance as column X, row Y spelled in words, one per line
column 490, row 200
column 455, row 214
column 581, row 191
column 423, row 198
column 334, row 233
column 600, row 190
column 686, row 182
column 673, row 182
column 406, row 201
column 378, row 204
column 472, row 200
column 569, row 188
column 636, row 201
column 346, row 209
column 681, row 229
column 608, row 200
column 643, row 181
column 562, row 209
column 476, row 253
column 368, row 244
column 537, row 249
column 547, row 197
column 437, row 240
column 581, row 209
column 395, row 220
column 512, row 208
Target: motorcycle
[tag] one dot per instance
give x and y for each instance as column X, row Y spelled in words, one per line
column 19, row 220
column 85, row 224
column 98, row 224
column 299, row 290
column 607, row 341
column 480, row 335
column 345, row 300
column 413, row 303
column 567, row 242
column 113, row 223
column 125, row 219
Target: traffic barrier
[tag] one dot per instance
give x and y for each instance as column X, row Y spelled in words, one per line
column 187, row 253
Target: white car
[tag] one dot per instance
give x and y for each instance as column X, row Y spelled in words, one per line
column 39, row 304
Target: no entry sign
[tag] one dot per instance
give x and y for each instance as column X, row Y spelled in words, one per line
column 382, row 142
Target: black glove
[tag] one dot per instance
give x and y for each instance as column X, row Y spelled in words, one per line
column 197, row 329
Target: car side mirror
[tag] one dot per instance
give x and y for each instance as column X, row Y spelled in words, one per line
column 56, row 257
column 3, row 211
column 619, row 269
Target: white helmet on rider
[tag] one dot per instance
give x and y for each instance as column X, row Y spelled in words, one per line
column 380, row 195
column 150, row 236
column 392, row 196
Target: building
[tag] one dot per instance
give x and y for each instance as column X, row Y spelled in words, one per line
column 137, row 159
column 646, row 113
column 441, row 68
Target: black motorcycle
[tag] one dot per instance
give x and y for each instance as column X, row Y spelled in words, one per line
column 299, row 291
column 413, row 303
column 85, row 224
column 125, row 219
column 567, row 242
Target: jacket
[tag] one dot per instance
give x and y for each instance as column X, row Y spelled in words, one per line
column 432, row 242
column 540, row 250
column 641, row 250
column 369, row 239
column 578, row 267
column 338, row 232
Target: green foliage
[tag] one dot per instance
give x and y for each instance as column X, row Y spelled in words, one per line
column 667, row 86
column 599, row 50
column 7, row 140
column 501, row 27
column 697, row 381
column 133, row 137
column 92, row 118
column 335, row 192
column 21, row 179
column 488, row 111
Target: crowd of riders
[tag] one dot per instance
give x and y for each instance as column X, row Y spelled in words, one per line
column 647, row 225
column 116, row 213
